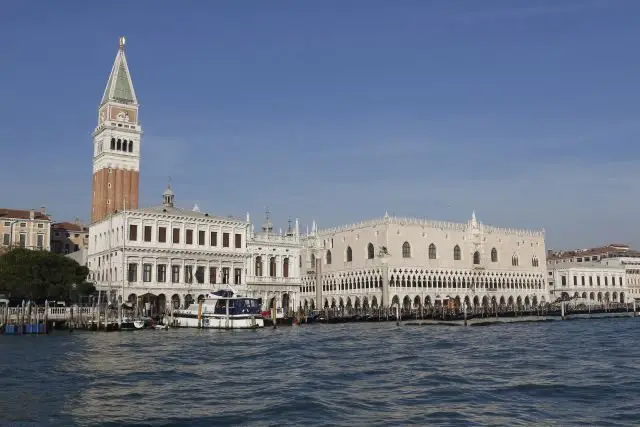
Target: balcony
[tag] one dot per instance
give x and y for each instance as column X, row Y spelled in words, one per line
column 268, row 280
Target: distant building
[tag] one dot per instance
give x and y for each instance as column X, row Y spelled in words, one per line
column 29, row 229
column 608, row 273
column 414, row 262
column 69, row 237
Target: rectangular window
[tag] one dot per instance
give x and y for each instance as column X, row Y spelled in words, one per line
column 147, row 233
column 161, row 274
column 237, row 276
column 6, row 240
column 225, row 275
column 175, row 274
column 189, row 239
column 582, row 280
column 146, row 272
column 575, row 280
column 620, row 281
column 176, row 235
column 188, row 274
column 201, row 237
column 76, row 248
column 214, row 238
column 590, row 280
column 238, row 241
column 213, row 275
column 564, row 280
column 23, row 240
column 606, row 281
column 598, row 280
column 200, row 274
column 162, row 234
column 225, row 240
column 133, row 232
column 7, row 224
column 132, row 273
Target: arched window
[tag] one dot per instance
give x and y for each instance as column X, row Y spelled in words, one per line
column 514, row 260
column 406, row 250
column 131, row 146
column 534, row 262
column 476, row 258
column 349, row 254
column 313, row 261
column 113, row 143
column 494, row 255
column 119, row 145
column 329, row 257
column 370, row 251
column 285, row 267
column 432, row 251
column 272, row 267
column 258, row 266
column 124, row 145
column 456, row 253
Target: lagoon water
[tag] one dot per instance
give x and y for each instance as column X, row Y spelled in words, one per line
column 553, row 373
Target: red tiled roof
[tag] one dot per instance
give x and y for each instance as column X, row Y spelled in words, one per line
column 69, row 226
column 21, row 214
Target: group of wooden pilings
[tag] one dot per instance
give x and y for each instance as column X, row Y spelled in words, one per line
column 27, row 319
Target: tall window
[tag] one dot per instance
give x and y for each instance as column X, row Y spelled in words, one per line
column 238, row 242
column 214, row 238
column 23, row 240
column 370, row 251
column 285, row 267
column 40, row 243
column 132, row 273
column 213, row 275
column 534, row 262
column 406, row 250
column 201, row 237
column 225, row 240
column 349, row 254
column 432, row 251
column 162, row 234
column 272, row 267
column 189, row 237
column 514, row 260
column 161, row 274
column 147, row 233
column 237, row 276
column 175, row 274
column 146, row 272
column 6, row 240
column 313, row 261
column 176, row 235
column 258, row 266
column 188, row 274
column 225, row 275
column 476, row 258
column 200, row 274
column 457, row 256
column 133, row 232
column 329, row 257
column 494, row 255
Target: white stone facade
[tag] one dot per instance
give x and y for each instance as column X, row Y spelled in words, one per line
column 589, row 282
column 411, row 262
column 167, row 254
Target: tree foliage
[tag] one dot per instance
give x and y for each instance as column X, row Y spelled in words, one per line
column 38, row 275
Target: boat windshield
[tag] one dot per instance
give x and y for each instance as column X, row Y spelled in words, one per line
column 238, row 306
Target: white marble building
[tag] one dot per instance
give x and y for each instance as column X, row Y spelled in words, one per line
column 273, row 271
column 412, row 262
column 590, row 282
column 167, row 254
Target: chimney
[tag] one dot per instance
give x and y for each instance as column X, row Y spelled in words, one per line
column 43, row 210
column 32, row 214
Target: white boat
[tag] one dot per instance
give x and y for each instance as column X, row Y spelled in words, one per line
column 221, row 309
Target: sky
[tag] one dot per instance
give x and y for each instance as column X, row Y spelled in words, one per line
column 339, row 111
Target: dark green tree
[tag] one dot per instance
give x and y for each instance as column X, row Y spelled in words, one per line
column 37, row 275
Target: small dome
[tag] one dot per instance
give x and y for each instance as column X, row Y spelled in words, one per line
column 168, row 192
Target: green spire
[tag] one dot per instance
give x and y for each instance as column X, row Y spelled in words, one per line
column 120, row 87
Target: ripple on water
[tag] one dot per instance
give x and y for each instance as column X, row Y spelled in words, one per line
column 562, row 373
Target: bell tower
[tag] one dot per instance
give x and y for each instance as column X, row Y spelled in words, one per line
column 116, row 144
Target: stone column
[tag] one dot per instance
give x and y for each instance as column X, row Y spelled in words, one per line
column 318, row 268
column 385, row 286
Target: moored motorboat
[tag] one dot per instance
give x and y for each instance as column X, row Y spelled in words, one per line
column 222, row 309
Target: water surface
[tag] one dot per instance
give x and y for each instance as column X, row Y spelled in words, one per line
column 582, row 372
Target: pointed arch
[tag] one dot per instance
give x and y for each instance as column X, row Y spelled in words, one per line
column 328, row 257
column 476, row 258
column 433, row 253
column 457, row 255
column 406, row 250
column 113, row 143
column 124, row 145
column 349, row 254
column 494, row 255
column 370, row 251
column 514, row 260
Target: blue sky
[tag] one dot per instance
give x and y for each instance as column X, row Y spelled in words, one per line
column 339, row 111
